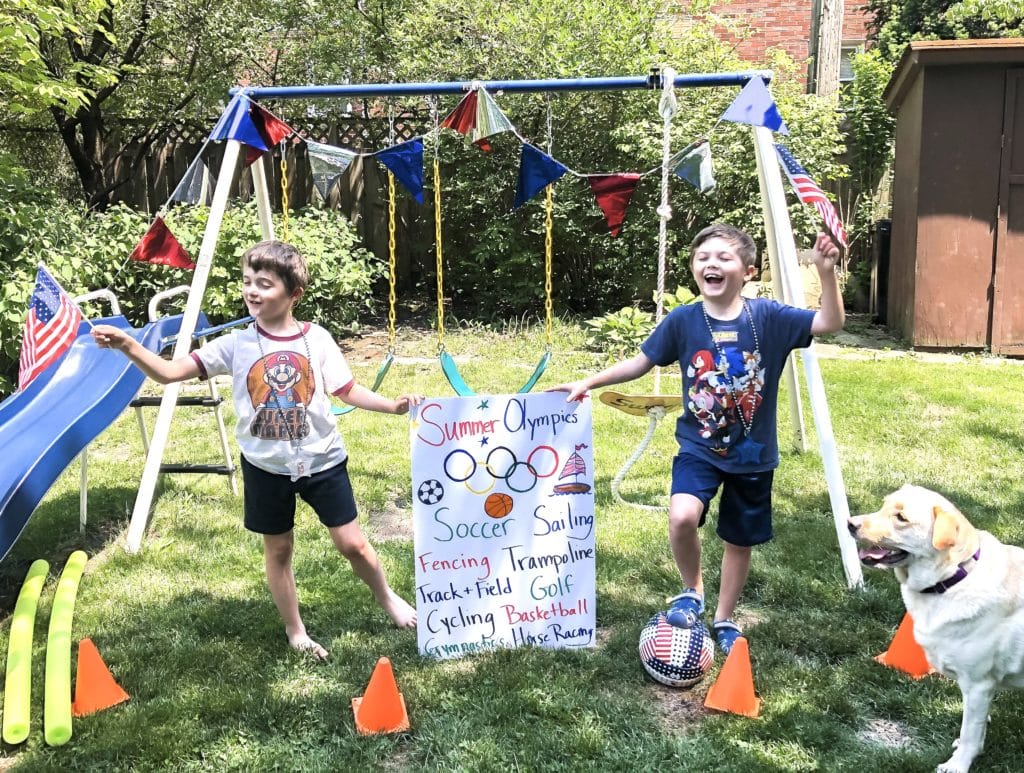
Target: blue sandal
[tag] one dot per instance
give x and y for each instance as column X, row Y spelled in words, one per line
column 685, row 609
column 726, row 633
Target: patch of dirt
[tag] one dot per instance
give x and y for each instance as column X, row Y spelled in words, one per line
column 679, row 710
column 391, row 523
column 885, row 732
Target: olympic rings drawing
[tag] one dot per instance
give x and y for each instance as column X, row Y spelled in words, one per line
column 506, row 468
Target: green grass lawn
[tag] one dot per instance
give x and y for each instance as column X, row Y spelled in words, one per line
column 188, row 628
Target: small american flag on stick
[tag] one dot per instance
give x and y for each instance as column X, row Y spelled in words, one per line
column 809, row 193
column 50, row 327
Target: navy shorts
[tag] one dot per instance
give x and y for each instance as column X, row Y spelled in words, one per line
column 745, row 509
column 270, row 498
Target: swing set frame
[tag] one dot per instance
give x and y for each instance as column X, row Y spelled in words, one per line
column 778, row 230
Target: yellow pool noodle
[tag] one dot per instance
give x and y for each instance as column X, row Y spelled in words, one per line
column 57, row 708
column 18, row 682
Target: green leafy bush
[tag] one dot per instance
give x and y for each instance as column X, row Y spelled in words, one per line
column 88, row 252
column 619, row 333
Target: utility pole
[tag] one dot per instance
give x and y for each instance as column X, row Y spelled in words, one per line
column 828, row 47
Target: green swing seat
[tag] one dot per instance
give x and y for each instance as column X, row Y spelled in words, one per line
column 462, row 389
column 341, row 410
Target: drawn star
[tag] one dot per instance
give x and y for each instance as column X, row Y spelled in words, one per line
column 483, row 404
column 415, row 423
column 483, row 440
column 749, row 451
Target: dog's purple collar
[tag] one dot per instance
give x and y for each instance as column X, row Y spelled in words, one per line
column 961, row 571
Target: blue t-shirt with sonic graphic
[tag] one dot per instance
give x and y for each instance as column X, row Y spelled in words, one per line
column 732, row 384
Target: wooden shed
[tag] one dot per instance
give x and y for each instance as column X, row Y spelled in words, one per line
column 956, row 268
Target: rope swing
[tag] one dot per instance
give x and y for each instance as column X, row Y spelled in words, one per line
column 656, row 406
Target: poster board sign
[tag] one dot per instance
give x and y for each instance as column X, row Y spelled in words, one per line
column 503, row 514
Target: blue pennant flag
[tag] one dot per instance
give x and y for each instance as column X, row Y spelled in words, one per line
column 754, row 105
column 537, row 170
column 693, row 164
column 235, row 123
column 405, row 161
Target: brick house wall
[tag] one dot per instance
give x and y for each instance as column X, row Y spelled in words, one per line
column 785, row 24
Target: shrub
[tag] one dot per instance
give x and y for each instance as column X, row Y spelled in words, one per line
column 87, row 252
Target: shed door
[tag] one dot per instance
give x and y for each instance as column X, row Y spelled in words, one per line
column 1008, row 287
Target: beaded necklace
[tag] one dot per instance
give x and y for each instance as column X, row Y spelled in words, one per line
column 299, row 466
column 747, row 425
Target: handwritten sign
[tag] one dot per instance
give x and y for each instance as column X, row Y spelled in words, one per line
column 503, row 511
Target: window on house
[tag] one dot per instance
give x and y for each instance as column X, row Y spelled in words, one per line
column 846, row 53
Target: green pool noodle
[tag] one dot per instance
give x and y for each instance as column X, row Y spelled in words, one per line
column 18, row 681
column 57, row 708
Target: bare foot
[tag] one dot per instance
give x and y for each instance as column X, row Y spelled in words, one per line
column 307, row 646
column 401, row 611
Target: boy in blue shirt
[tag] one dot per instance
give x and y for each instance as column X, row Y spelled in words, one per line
column 731, row 351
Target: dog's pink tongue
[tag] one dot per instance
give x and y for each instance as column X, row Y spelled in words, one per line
column 875, row 553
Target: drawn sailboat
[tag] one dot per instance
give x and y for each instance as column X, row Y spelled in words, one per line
column 573, row 468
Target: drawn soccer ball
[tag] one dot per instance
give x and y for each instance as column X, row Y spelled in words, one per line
column 678, row 657
column 430, row 492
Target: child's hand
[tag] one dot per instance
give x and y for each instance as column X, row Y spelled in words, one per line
column 110, row 337
column 576, row 389
column 402, row 403
column 826, row 254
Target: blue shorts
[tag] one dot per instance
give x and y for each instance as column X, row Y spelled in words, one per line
column 745, row 509
column 270, row 498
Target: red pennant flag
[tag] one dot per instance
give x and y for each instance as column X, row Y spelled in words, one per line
column 271, row 129
column 613, row 192
column 158, row 245
column 463, row 118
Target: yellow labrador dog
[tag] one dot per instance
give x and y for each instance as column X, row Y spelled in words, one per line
column 965, row 592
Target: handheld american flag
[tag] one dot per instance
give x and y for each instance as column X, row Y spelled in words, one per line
column 50, row 327
column 809, row 193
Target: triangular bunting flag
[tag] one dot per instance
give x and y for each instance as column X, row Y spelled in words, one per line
column 158, row 245
column 405, row 161
column 613, row 192
column 489, row 120
column 754, row 105
column 463, row 118
column 235, row 123
column 190, row 187
column 271, row 128
column 327, row 163
column 693, row 164
column 536, row 171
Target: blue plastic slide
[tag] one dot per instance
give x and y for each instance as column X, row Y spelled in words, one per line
column 44, row 428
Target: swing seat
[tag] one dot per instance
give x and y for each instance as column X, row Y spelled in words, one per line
column 462, row 389
column 639, row 405
column 341, row 410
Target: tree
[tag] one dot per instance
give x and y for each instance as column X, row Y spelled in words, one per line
column 897, row 22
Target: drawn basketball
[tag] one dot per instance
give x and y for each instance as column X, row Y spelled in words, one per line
column 498, row 505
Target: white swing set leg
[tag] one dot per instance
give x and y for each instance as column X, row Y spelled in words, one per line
column 782, row 250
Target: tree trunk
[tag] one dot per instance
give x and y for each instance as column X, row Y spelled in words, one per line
column 828, row 48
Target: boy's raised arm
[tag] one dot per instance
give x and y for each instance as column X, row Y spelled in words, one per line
column 831, row 316
column 626, row 370
column 153, row 365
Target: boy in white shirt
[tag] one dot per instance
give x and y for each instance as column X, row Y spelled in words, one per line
column 282, row 372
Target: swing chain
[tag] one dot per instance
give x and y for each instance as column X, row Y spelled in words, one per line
column 391, row 263
column 284, row 193
column 439, row 254
column 548, row 260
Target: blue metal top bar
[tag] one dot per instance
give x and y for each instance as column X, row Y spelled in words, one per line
column 622, row 83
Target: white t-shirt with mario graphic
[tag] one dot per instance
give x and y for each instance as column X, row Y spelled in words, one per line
column 285, row 425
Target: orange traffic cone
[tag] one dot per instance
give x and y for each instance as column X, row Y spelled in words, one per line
column 95, row 687
column 904, row 653
column 733, row 691
column 382, row 707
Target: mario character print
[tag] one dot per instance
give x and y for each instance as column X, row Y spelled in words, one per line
column 280, row 386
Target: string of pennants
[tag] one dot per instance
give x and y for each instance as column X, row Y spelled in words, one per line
column 478, row 118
